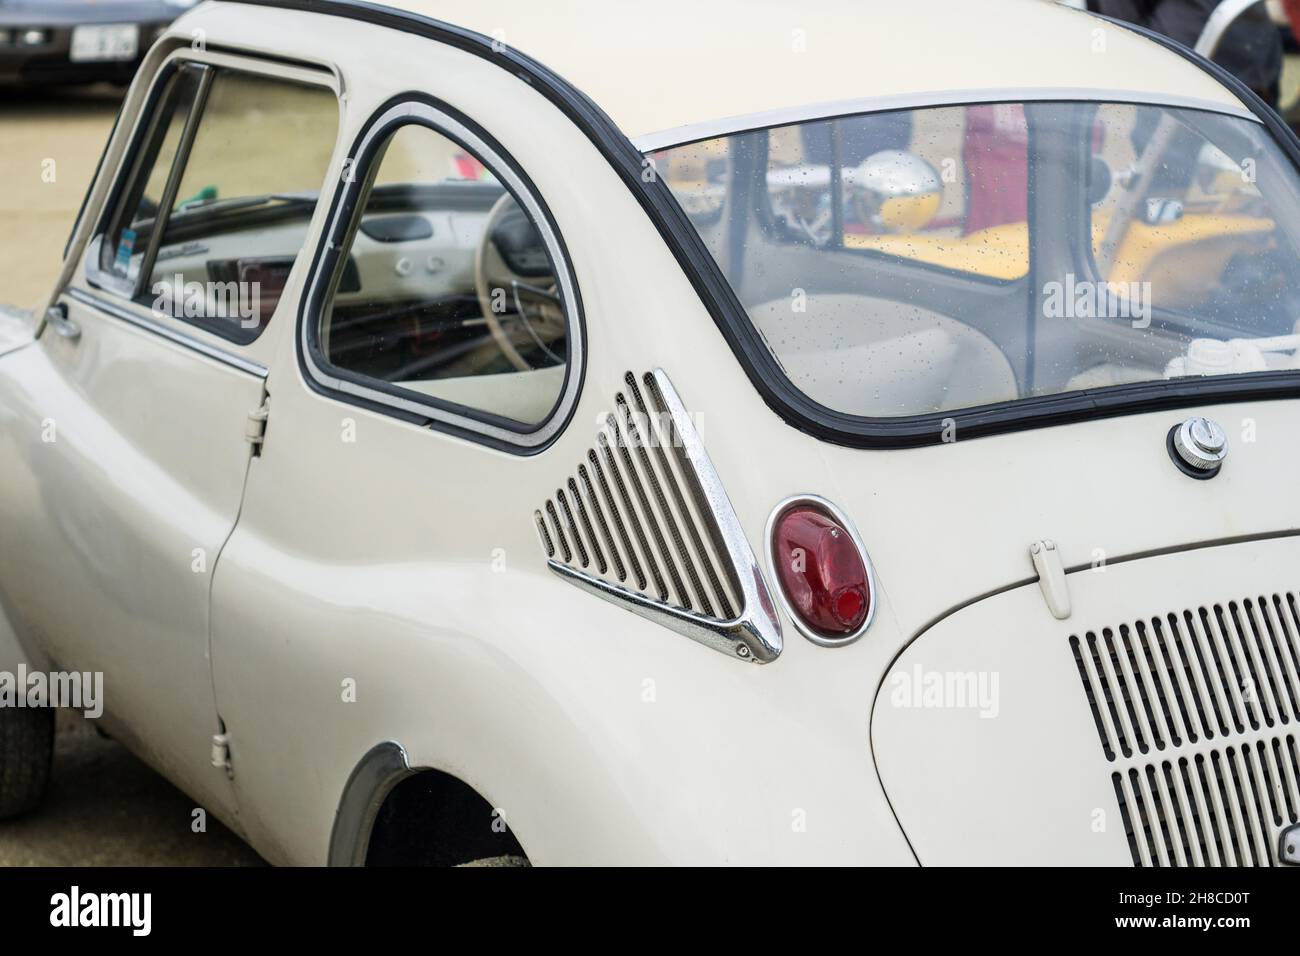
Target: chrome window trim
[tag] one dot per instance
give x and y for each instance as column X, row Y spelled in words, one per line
column 785, row 116
column 415, row 112
column 817, row 501
column 116, row 311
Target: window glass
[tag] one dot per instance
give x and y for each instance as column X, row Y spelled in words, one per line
column 885, row 260
column 258, row 137
column 122, row 253
column 240, row 182
column 1188, row 218
column 447, row 290
column 244, row 202
column 941, row 186
column 698, row 177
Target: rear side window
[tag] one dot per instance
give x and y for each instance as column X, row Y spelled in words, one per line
column 218, row 205
column 448, row 293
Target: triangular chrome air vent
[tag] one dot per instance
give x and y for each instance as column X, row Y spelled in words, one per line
column 644, row 522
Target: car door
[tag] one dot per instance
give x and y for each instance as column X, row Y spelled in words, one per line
column 136, row 414
column 408, row 409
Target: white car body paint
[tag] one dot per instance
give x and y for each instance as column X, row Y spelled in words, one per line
column 371, row 561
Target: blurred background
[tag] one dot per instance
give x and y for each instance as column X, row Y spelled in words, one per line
column 1259, row 46
column 64, row 65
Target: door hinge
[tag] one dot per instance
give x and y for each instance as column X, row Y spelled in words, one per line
column 255, row 431
column 221, row 753
column 1051, row 577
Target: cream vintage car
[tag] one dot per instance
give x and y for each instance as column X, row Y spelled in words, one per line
column 744, row 434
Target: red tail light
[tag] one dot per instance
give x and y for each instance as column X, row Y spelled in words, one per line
column 821, row 569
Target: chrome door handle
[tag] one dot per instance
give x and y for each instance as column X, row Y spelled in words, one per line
column 57, row 317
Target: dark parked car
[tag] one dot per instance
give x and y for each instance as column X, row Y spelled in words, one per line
column 79, row 41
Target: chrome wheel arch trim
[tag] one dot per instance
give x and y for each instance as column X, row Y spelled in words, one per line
column 382, row 768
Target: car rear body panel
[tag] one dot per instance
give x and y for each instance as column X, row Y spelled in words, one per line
column 1156, row 725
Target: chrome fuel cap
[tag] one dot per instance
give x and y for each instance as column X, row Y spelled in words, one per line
column 1199, row 446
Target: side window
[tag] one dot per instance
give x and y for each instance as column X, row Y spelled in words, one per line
column 221, row 198
column 121, row 254
column 446, row 291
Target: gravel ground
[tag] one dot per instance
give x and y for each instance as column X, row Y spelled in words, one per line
column 104, row 806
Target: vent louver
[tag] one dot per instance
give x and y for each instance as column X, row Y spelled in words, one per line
column 643, row 521
column 1211, row 809
column 1199, row 710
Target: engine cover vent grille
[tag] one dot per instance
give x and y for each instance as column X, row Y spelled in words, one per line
column 1200, row 709
column 1211, row 809
column 644, row 521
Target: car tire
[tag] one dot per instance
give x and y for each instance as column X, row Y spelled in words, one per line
column 26, row 753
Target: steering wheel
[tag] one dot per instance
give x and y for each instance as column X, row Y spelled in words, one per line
column 532, row 314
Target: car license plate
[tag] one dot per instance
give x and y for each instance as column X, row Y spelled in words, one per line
column 100, row 44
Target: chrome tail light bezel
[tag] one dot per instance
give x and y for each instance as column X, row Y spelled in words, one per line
column 769, row 539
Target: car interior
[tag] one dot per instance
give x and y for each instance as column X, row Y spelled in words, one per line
column 912, row 262
column 447, row 290
column 224, row 186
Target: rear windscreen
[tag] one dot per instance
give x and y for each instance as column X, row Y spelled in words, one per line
column 917, row 261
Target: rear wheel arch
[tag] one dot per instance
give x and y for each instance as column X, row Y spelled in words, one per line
column 394, row 814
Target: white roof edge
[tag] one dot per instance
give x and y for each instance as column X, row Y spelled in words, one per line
column 694, row 132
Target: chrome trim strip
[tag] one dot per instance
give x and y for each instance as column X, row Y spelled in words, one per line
column 818, row 501
column 382, row 768
column 171, row 335
column 180, row 163
column 709, row 129
column 439, row 121
column 742, row 636
column 755, row 633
